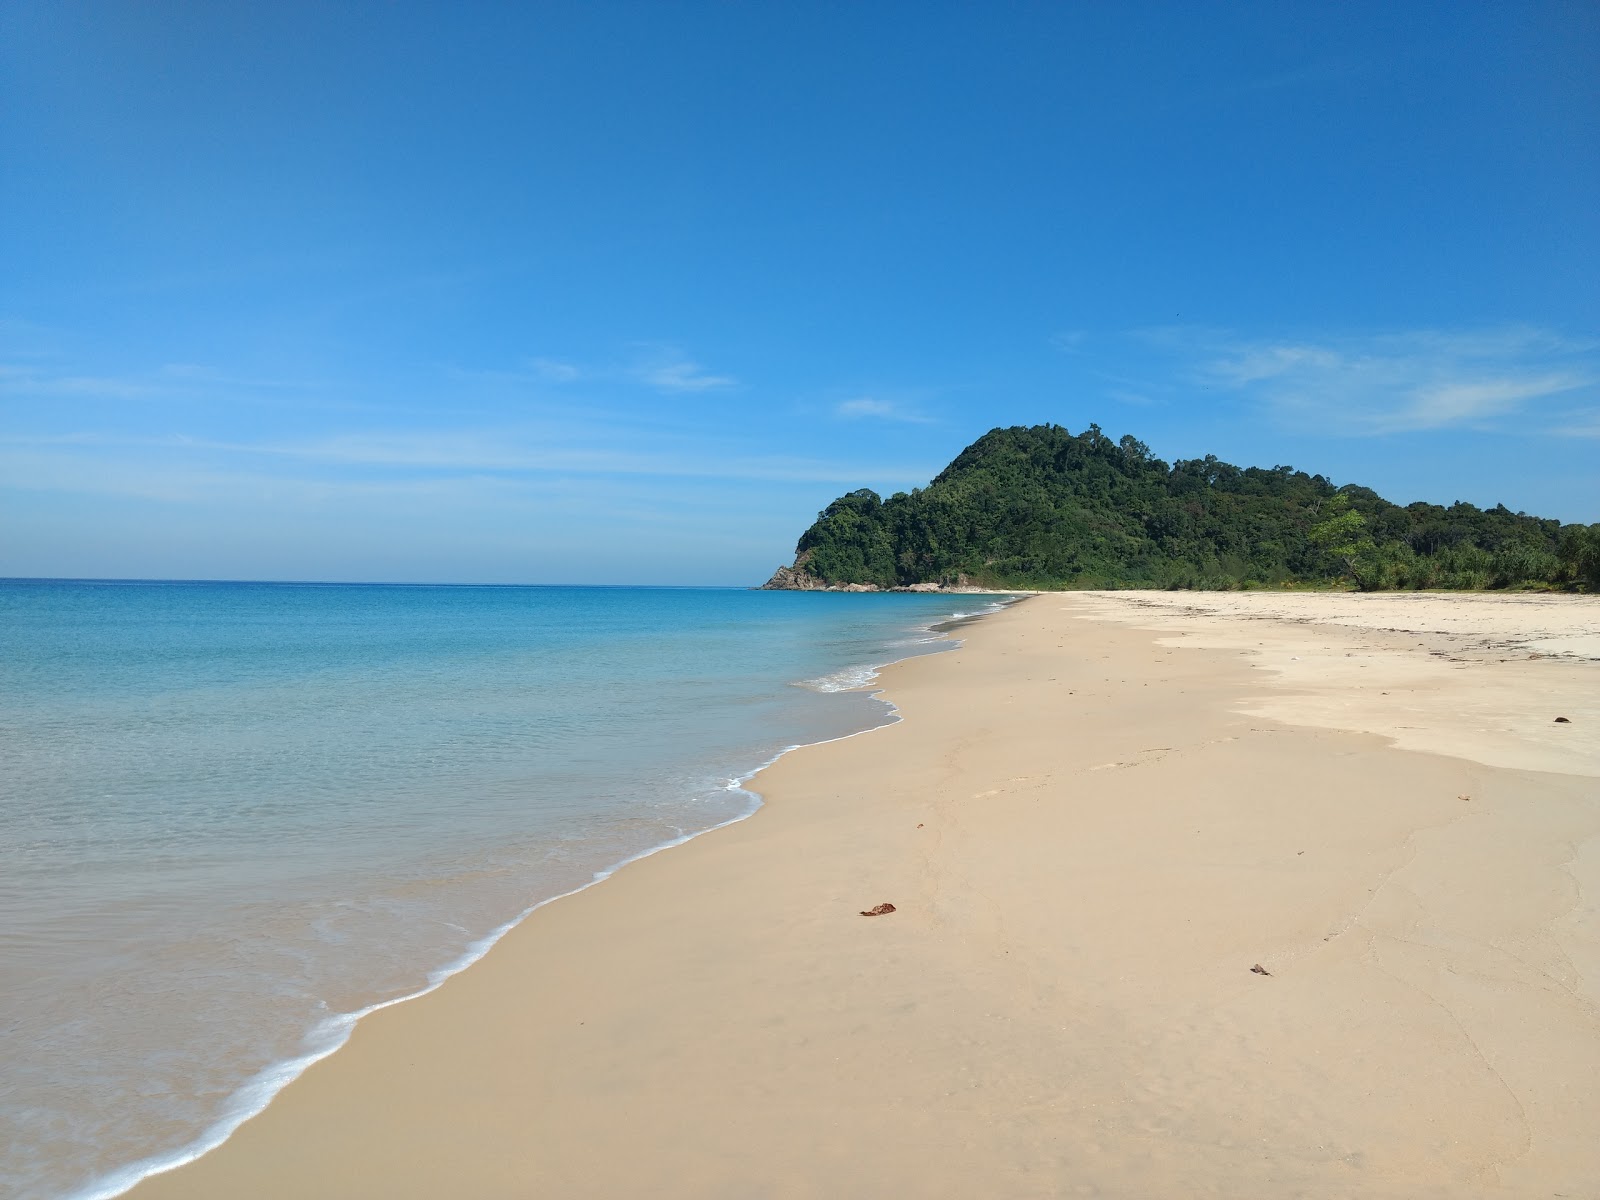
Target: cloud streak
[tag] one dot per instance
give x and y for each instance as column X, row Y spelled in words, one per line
column 487, row 452
column 1582, row 425
column 173, row 381
column 664, row 369
column 873, row 408
column 682, row 375
column 1400, row 382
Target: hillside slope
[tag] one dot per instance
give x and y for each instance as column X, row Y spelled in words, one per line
column 1042, row 507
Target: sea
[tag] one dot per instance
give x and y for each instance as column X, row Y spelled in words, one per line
column 236, row 817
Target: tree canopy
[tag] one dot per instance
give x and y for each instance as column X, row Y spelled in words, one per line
column 1043, row 507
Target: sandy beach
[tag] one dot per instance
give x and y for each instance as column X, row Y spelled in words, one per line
column 1243, row 895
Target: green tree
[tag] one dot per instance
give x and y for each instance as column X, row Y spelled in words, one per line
column 1342, row 536
column 1580, row 553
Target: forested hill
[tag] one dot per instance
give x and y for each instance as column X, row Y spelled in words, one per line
column 1042, row 507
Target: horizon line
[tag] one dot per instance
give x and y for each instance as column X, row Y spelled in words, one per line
column 132, row 579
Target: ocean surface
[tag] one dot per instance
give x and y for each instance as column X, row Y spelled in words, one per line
column 234, row 817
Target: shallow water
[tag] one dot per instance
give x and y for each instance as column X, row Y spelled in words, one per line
column 232, row 815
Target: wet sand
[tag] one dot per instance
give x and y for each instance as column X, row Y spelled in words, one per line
column 1097, row 817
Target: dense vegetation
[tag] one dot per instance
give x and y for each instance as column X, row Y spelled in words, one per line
column 1042, row 507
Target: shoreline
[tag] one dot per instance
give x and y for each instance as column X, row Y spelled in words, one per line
column 577, row 942
column 333, row 1033
column 253, row 1097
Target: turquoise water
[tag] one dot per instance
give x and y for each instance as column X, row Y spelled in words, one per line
column 235, row 816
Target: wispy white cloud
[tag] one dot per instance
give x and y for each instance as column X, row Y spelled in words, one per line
column 172, row 381
column 1396, row 382
column 553, row 370
column 665, row 368
column 504, row 452
column 679, row 374
column 1581, row 424
column 20, row 383
column 101, row 471
column 661, row 368
column 875, row 408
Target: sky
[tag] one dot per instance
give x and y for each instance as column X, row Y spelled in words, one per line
column 626, row 292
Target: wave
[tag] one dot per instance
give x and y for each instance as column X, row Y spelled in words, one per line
column 863, row 675
column 848, row 680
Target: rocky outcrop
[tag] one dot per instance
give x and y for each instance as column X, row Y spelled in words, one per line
column 962, row 586
column 798, row 579
column 793, row 579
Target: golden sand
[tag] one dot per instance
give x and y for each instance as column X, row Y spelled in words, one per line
column 1097, row 819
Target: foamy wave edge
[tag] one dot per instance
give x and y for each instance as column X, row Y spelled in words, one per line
column 253, row 1097
column 852, row 679
column 848, row 680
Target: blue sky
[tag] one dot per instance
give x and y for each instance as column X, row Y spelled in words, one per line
column 625, row 293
